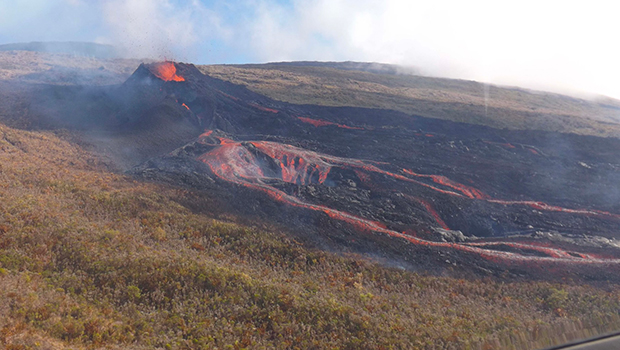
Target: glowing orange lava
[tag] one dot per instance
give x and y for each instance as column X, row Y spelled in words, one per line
column 467, row 191
column 207, row 133
column 229, row 96
column 318, row 122
column 265, row 109
column 167, row 71
column 429, row 208
column 184, row 105
column 237, row 162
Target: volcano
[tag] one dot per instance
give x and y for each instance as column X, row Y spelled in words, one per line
column 413, row 191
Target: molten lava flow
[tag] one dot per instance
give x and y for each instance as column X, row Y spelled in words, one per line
column 299, row 168
column 429, row 208
column 304, row 167
column 257, row 106
column 207, row 133
column 318, row 122
column 238, row 163
column 229, row 96
column 548, row 251
column 467, row 191
column 184, row 105
column 473, row 193
column 547, row 207
column 167, row 71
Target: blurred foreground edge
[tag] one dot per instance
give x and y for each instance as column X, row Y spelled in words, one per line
column 602, row 342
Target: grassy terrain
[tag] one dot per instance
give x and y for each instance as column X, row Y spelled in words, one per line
column 93, row 259
column 41, row 67
column 457, row 100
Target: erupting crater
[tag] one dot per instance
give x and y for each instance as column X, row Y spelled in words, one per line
column 166, row 71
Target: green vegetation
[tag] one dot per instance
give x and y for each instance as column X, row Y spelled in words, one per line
column 457, row 100
column 93, row 259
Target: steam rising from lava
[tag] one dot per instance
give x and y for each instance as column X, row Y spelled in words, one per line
column 249, row 164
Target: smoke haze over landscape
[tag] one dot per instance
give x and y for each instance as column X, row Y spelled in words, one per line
column 556, row 46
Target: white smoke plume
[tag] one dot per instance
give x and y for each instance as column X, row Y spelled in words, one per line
column 561, row 46
column 557, row 45
column 157, row 28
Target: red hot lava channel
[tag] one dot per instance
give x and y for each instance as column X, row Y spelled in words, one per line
column 232, row 161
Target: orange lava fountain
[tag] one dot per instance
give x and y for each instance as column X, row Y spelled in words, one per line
column 167, row 71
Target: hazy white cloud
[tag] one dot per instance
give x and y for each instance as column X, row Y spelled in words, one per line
column 143, row 28
column 559, row 45
column 45, row 20
column 564, row 46
column 152, row 28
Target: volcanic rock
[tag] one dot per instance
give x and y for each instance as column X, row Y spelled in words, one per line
column 379, row 182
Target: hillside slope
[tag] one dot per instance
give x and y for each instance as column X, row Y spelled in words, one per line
column 197, row 257
column 449, row 99
column 85, row 49
column 340, row 84
column 63, row 68
column 93, row 259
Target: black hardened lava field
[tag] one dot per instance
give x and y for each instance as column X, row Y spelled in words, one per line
column 410, row 191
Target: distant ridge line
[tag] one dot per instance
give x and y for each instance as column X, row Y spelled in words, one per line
column 77, row 48
column 370, row 67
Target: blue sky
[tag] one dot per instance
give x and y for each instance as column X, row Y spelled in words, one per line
column 563, row 46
